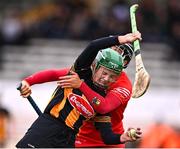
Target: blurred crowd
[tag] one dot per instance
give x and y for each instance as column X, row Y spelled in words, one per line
column 158, row 21
column 70, row 19
column 77, row 19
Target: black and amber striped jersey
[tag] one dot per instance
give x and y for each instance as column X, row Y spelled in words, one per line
column 69, row 106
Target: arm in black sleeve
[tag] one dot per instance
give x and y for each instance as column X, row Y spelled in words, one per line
column 107, row 135
column 86, row 58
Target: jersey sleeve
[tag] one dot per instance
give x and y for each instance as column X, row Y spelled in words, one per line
column 46, row 76
column 122, row 89
column 119, row 93
column 122, row 93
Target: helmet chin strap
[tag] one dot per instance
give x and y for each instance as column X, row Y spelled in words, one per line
column 99, row 85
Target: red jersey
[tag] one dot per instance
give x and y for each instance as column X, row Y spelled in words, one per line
column 88, row 136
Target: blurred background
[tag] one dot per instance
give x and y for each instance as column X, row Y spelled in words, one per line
column 46, row 34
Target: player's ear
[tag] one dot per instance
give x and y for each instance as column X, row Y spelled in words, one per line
column 93, row 65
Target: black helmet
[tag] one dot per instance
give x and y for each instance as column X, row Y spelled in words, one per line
column 126, row 50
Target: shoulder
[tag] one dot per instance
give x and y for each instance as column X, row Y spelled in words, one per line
column 123, row 81
column 124, row 77
column 122, row 88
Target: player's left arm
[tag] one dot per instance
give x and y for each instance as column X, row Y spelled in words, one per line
column 87, row 56
column 113, row 99
column 104, row 126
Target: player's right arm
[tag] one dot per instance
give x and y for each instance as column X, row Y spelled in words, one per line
column 118, row 94
column 41, row 77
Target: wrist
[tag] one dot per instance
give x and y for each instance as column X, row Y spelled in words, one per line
column 25, row 82
column 121, row 39
column 122, row 139
column 28, row 81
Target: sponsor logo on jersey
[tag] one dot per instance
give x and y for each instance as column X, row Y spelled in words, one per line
column 82, row 105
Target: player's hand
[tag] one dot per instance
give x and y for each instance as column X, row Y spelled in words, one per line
column 130, row 136
column 130, row 37
column 25, row 89
column 71, row 80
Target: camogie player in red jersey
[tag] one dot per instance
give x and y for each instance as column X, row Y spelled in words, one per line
column 120, row 92
column 115, row 102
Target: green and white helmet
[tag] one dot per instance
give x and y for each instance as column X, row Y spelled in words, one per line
column 109, row 59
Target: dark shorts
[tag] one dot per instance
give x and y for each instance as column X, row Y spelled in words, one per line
column 46, row 132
